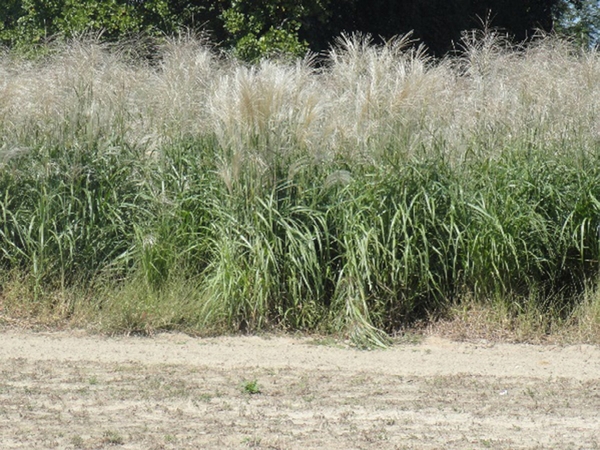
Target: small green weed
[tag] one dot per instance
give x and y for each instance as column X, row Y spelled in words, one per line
column 252, row 442
column 251, row 387
column 205, row 397
column 77, row 441
column 110, row 437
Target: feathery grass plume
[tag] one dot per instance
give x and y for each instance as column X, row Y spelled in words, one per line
column 269, row 115
column 381, row 94
column 178, row 93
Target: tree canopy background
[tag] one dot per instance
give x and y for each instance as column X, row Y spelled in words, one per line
column 254, row 28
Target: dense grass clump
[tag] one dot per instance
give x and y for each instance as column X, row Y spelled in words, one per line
column 360, row 195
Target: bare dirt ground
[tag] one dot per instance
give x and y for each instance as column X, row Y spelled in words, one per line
column 172, row 391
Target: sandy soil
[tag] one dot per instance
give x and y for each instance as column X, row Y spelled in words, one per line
column 171, row 391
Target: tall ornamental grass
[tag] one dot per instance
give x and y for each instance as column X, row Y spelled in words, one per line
column 355, row 192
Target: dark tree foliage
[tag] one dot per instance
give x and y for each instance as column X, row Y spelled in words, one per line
column 254, row 28
column 580, row 20
column 27, row 22
column 198, row 15
column 439, row 23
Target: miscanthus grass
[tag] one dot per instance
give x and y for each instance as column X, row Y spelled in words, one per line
column 356, row 192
